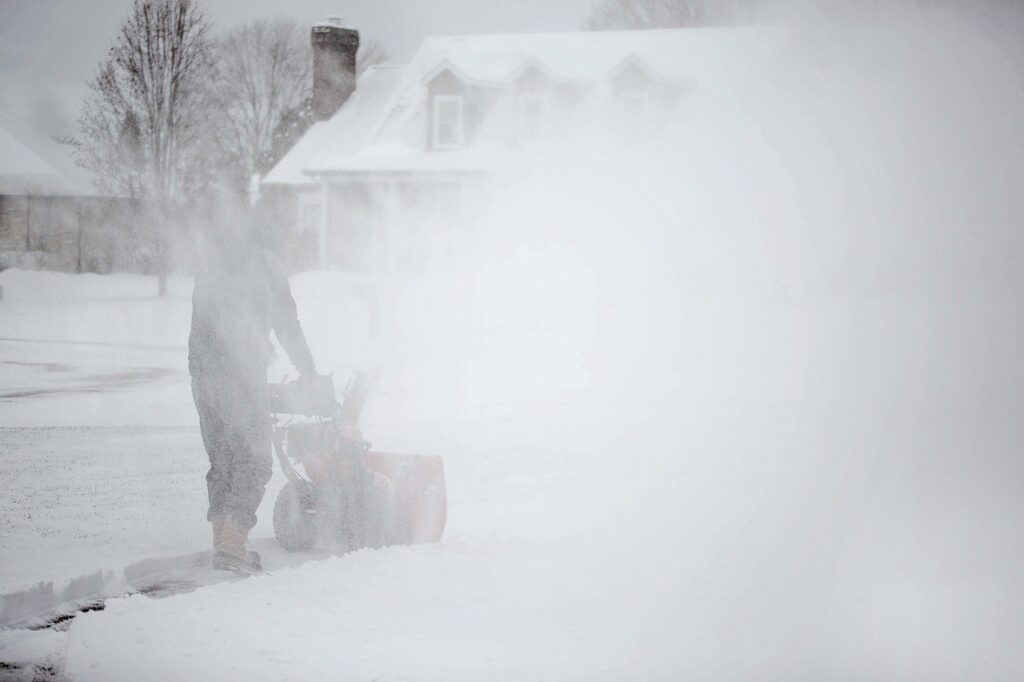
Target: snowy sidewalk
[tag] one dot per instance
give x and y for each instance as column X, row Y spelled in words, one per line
column 454, row 611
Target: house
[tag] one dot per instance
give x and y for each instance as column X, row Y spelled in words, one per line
column 51, row 216
column 398, row 158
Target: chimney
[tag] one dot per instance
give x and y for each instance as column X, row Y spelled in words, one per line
column 334, row 65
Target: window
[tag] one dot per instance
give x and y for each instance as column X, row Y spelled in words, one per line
column 634, row 108
column 532, row 116
column 448, row 125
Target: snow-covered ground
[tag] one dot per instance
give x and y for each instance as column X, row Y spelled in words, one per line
column 776, row 525
column 101, row 459
column 103, row 466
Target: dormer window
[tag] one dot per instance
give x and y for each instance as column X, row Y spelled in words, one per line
column 531, row 99
column 532, row 116
column 632, row 86
column 448, row 124
column 634, row 108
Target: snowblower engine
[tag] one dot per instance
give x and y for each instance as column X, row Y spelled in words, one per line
column 347, row 495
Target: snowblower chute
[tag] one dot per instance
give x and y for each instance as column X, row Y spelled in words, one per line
column 348, row 495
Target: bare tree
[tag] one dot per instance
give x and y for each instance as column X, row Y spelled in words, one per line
column 263, row 71
column 142, row 129
column 643, row 14
column 370, row 54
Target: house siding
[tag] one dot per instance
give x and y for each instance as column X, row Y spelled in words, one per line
column 13, row 223
column 72, row 234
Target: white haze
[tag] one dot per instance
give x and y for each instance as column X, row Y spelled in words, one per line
column 786, row 335
column 770, row 356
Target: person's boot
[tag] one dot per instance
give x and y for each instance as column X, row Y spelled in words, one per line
column 230, row 553
column 217, row 522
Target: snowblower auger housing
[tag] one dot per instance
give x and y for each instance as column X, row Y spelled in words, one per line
column 347, row 496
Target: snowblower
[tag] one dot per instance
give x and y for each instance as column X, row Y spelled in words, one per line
column 348, row 496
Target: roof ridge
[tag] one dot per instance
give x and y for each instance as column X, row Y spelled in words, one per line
column 602, row 32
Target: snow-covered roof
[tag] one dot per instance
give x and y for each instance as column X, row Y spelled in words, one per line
column 591, row 55
column 33, row 165
column 350, row 130
column 379, row 127
column 398, row 157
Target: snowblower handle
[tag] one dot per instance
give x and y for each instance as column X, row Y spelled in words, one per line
column 310, row 396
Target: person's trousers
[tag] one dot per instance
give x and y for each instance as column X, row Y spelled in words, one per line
column 234, row 418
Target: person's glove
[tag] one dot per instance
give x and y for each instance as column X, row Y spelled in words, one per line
column 320, row 389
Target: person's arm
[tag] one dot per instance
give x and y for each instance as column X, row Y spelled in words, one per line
column 285, row 322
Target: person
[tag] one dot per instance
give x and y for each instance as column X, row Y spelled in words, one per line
column 241, row 294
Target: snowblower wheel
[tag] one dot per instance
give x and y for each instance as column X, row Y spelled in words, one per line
column 295, row 516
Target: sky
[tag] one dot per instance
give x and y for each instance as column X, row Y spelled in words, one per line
column 49, row 49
